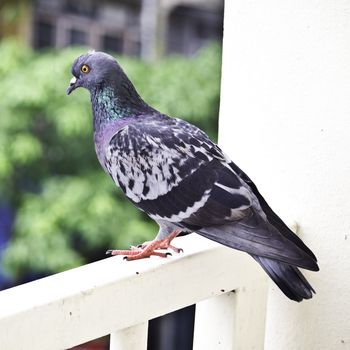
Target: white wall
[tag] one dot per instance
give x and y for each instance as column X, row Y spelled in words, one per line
column 285, row 119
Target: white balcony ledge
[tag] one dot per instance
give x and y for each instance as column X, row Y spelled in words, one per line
column 112, row 295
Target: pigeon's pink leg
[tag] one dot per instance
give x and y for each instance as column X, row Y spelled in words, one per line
column 148, row 248
column 165, row 243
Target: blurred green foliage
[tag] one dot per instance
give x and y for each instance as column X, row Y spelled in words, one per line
column 68, row 212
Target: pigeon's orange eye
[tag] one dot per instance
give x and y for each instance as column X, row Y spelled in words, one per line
column 85, row 69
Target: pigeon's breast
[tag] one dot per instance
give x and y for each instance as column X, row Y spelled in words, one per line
column 103, row 135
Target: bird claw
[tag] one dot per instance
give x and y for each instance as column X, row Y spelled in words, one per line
column 144, row 254
column 175, row 249
column 148, row 249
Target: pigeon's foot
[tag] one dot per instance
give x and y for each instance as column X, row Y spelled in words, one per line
column 147, row 249
column 165, row 243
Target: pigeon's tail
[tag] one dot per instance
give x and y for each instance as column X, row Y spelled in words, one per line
column 287, row 277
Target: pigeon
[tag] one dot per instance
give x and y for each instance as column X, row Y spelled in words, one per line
column 171, row 170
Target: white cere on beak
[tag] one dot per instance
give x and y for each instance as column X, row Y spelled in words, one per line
column 73, row 81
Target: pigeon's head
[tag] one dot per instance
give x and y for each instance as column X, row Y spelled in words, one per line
column 94, row 69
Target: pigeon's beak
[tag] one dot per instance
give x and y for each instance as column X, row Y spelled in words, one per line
column 73, row 84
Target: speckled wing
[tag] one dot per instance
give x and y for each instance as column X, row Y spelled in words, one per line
column 171, row 170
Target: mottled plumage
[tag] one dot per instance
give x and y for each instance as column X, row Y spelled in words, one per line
column 172, row 171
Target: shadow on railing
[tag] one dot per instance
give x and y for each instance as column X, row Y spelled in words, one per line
column 116, row 297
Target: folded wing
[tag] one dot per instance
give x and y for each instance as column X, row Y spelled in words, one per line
column 173, row 172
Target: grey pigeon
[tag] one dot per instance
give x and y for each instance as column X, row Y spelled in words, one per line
column 172, row 171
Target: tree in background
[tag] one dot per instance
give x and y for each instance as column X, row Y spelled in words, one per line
column 68, row 212
column 14, row 19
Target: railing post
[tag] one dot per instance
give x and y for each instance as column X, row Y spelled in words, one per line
column 131, row 338
column 232, row 321
column 214, row 323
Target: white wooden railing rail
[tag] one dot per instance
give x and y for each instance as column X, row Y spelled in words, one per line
column 116, row 297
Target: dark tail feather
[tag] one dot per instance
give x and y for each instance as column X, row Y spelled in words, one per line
column 272, row 217
column 287, row 277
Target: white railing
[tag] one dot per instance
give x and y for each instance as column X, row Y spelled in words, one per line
column 116, row 297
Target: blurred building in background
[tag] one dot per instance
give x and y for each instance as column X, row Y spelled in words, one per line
column 143, row 28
